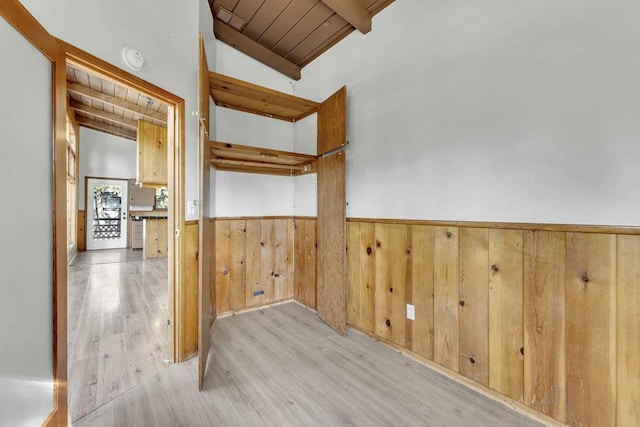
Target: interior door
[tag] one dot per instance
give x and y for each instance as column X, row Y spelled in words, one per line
column 107, row 209
column 205, row 312
column 332, row 255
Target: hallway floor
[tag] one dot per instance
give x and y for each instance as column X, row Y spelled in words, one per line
column 117, row 325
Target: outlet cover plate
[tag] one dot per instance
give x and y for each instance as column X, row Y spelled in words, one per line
column 411, row 312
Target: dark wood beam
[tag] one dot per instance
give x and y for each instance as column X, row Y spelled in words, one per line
column 352, row 12
column 103, row 127
column 87, row 109
column 244, row 44
column 116, row 102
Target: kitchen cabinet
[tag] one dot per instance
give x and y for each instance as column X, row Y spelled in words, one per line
column 137, row 237
column 156, row 242
column 152, row 155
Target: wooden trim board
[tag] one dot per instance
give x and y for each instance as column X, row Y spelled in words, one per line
column 576, row 228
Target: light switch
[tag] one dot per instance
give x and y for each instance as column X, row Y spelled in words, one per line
column 411, row 312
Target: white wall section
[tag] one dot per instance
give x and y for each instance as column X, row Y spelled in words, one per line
column 104, row 156
column 26, row 306
column 503, row 110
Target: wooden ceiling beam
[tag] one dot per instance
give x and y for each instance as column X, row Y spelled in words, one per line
column 352, row 12
column 116, row 102
column 103, row 127
column 132, row 124
column 244, row 44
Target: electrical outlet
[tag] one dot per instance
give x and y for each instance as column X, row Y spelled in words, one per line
column 411, row 312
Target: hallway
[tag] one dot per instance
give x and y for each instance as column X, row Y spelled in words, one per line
column 117, row 325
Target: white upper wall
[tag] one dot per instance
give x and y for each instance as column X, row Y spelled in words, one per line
column 165, row 31
column 26, row 332
column 501, row 110
column 104, row 156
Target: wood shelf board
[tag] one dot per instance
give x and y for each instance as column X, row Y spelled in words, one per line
column 242, row 158
column 223, row 150
column 247, row 97
column 260, row 170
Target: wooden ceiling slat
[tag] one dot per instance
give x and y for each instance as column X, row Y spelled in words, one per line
column 103, row 127
column 246, row 9
column 72, row 87
column 352, row 12
column 316, row 17
column 318, row 39
column 291, row 15
column 264, row 17
column 227, row 4
column 103, row 115
column 244, row 44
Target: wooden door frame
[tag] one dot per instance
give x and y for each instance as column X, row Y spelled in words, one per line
column 176, row 136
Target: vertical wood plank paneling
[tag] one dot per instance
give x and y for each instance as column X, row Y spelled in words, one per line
column 267, row 256
column 421, row 339
column 237, row 269
column 222, row 263
column 305, row 261
column 367, row 260
column 400, row 255
column 474, row 303
column 189, row 293
column 628, row 331
column 544, row 320
column 590, row 316
column 291, row 249
column 506, row 342
column 445, row 298
column 280, row 259
column 354, row 300
column 253, row 252
column 590, row 299
column 383, row 279
column 300, row 260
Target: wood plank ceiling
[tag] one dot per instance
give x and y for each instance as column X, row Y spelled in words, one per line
column 288, row 34
column 102, row 105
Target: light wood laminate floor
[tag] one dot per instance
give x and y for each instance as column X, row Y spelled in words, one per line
column 117, row 325
column 283, row 366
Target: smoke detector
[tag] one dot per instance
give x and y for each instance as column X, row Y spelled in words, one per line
column 132, row 58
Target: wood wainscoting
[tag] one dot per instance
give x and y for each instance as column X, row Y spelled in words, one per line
column 545, row 315
column 262, row 260
column 188, row 298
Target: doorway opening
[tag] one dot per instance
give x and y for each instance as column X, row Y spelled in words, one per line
column 121, row 308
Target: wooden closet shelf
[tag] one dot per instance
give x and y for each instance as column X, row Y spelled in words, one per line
column 247, row 97
column 242, row 158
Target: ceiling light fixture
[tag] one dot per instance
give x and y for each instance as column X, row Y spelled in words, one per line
column 132, row 58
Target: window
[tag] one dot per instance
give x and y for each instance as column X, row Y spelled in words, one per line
column 162, row 198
